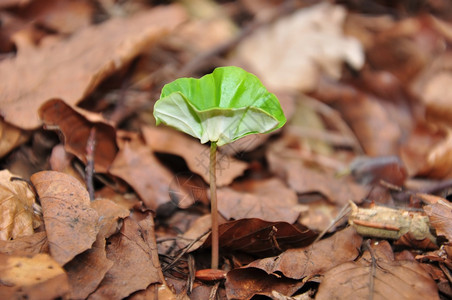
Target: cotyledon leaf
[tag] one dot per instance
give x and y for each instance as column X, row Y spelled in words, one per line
column 220, row 107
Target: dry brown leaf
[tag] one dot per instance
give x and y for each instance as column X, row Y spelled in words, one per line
column 245, row 283
column 87, row 270
column 70, row 222
column 135, row 261
column 384, row 279
column 137, row 165
column 315, row 259
column 70, row 69
column 260, row 237
column 75, row 124
column 37, row 277
column 294, row 51
column 196, row 155
column 17, row 217
column 26, row 246
column 269, row 200
column 303, row 179
column 440, row 216
column 10, row 137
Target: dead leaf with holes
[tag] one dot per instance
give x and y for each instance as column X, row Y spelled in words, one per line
column 17, row 218
column 36, row 277
column 70, row 222
column 378, row 275
column 71, row 68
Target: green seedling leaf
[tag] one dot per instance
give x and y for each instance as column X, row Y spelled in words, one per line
column 220, row 107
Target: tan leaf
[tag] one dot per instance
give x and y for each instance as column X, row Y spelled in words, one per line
column 134, row 254
column 269, row 200
column 26, row 246
column 70, row 222
column 37, row 277
column 301, row 48
column 315, row 259
column 17, row 217
column 70, row 69
column 10, row 137
column 196, row 155
column 440, row 216
column 384, row 279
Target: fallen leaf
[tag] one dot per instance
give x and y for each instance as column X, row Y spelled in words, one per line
column 303, row 179
column 17, row 216
column 70, row 222
column 70, row 69
column 11, row 137
column 384, row 279
column 245, row 283
column 315, row 259
column 88, row 269
column 440, row 216
column 296, row 63
column 196, row 155
column 36, row 277
column 26, row 246
column 259, row 237
column 137, row 165
column 76, row 128
column 135, row 261
column 269, row 200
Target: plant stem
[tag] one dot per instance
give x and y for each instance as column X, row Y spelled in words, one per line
column 213, row 204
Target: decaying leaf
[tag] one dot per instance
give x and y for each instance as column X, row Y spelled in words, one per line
column 36, row 277
column 269, row 200
column 378, row 277
column 303, row 47
column 315, row 259
column 26, row 246
column 440, row 216
column 196, row 156
column 17, row 217
column 70, row 222
column 75, row 126
column 70, row 69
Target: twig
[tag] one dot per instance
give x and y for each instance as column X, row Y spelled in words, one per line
column 89, row 169
column 213, row 292
column 191, row 273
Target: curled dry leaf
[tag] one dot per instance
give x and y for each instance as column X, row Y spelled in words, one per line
column 75, row 125
column 378, row 277
column 70, row 222
column 315, row 259
column 269, row 200
column 10, row 137
column 303, row 47
column 135, row 260
column 36, row 277
column 70, row 69
column 196, row 155
column 26, row 246
column 17, row 216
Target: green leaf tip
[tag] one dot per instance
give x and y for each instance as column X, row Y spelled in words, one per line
column 220, row 107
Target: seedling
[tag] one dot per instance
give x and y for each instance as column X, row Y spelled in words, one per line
column 219, row 108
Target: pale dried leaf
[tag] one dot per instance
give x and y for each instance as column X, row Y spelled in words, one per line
column 17, row 216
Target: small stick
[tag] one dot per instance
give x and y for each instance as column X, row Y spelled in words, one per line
column 89, row 169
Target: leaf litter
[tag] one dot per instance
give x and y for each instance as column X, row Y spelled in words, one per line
column 366, row 96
